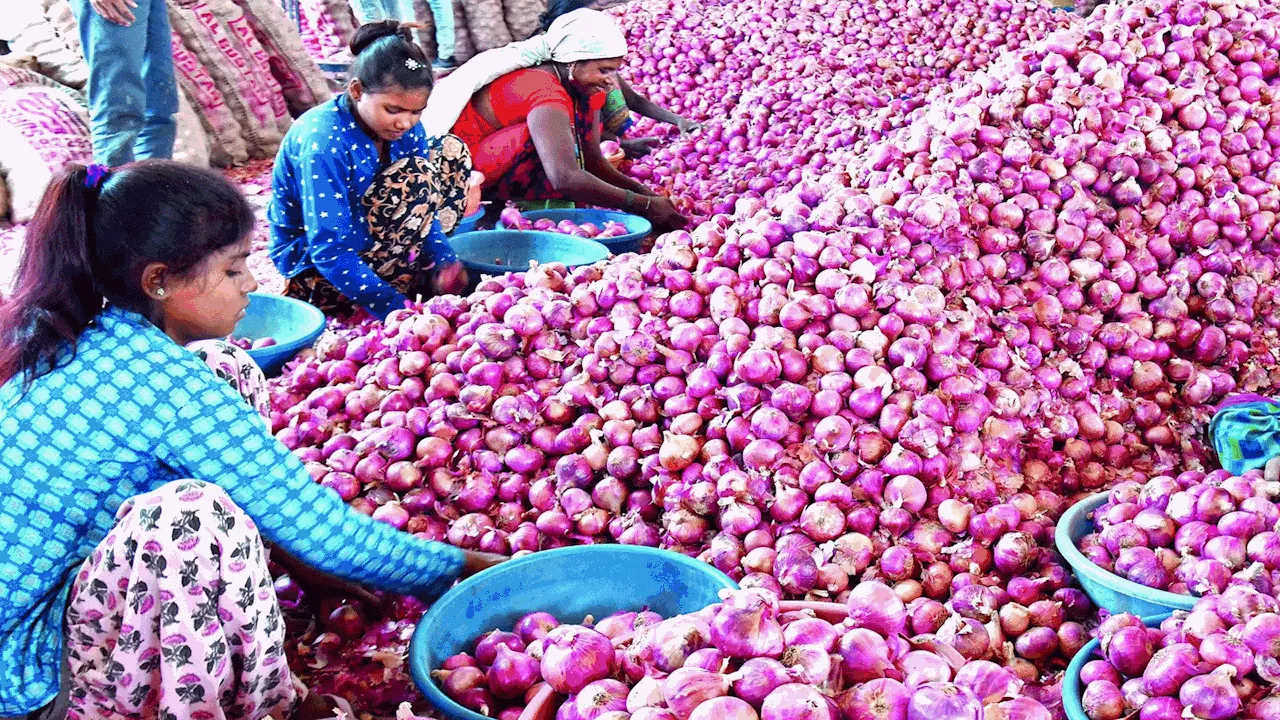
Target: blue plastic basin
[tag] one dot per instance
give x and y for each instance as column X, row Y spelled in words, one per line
column 293, row 324
column 1072, row 691
column 569, row 583
column 637, row 227
column 468, row 223
column 1106, row 589
column 496, row 252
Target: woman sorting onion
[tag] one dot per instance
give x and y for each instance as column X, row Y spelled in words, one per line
column 622, row 100
column 530, row 113
column 362, row 198
column 137, row 487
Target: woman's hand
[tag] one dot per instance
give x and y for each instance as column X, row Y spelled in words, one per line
column 687, row 126
column 474, row 562
column 639, row 147
column 450, row 279
column 321, row 584
column 663, row 214
column 475, row 185
column 119, row 12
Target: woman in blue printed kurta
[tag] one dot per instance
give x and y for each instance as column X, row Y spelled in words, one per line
column 361, row 196
column 160, row 581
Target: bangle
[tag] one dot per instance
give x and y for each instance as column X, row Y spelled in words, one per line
column 631, row 199
column 647, row 201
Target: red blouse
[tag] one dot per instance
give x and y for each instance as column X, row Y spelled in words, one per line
column 512, row 97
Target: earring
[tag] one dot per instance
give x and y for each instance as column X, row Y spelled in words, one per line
column 572, row 66
column 160, row 292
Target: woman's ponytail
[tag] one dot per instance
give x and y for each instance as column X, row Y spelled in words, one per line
column 386, row 56
column 90, row 242
column 55, row 294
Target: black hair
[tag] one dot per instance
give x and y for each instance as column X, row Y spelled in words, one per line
column 556, row 8
column 89, row 246
column 387, row 57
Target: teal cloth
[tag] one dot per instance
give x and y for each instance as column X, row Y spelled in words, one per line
column 1246, row 435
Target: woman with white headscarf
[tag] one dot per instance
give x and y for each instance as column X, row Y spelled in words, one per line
column 530, row 115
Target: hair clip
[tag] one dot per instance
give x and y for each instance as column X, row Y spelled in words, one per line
column 413, row 65
column 95, row 175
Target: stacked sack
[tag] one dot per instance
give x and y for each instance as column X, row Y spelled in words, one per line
column 43, row 127
column 247, row 72
column 241, row 66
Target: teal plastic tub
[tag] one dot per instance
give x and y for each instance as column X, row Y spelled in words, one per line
column 1106, row 589
column 495, row 252
column 1072, row 690
column 637, row 227
column 293, row 324
column 569, row 583
column 468, row 223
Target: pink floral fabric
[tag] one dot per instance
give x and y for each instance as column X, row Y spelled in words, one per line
column 237, row 369
column 174, row 617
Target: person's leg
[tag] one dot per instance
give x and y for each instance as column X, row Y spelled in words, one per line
column 175, row 609
column 117, row 96
column 160, row 125
column 238, row 370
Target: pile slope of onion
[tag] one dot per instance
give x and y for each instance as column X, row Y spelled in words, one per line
column 898, row 361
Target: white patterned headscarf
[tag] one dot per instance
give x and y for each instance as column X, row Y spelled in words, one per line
column 580, row 35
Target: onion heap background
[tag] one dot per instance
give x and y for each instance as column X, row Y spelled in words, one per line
column 956, row 265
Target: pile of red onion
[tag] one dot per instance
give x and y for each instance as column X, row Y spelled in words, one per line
column 1193, row 534
column 896, row 358
column 787, row 89
column 1219, row 661
column 746, row 658
column 511, row 219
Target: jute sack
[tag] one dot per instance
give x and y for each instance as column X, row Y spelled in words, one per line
column 41, row 131
column 523, row 17
column 38, row 35
column 213, row 45
column 463, row 46
column 299, row 77
column 226, row 143
column 192, row 143
column 486, row 24
column 243, row 36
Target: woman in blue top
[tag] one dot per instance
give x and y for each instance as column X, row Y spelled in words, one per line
column 127, row 588
column 362, row 198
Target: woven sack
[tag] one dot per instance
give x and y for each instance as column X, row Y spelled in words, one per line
column 191, row 145
column 41, row 131
column 463, row 46
column 242, row 34
column 299, row 77
column 217, row 51
column 39, row 36
column 487, row 24
column 226, row 144
column 523, row 17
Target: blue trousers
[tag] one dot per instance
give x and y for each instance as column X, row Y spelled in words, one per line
column 402, row 10
column 133, row 93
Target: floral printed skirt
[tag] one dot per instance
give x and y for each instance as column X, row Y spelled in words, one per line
column 173, row 616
